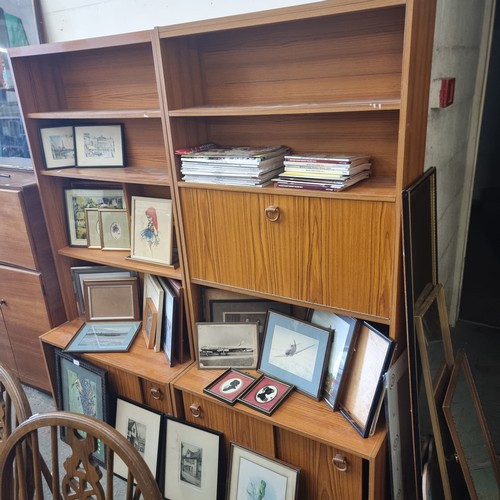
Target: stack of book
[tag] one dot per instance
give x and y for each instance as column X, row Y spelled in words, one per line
column 237, row 166
column 323, row 172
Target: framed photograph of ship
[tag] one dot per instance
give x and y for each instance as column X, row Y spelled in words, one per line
column 99, row 145
column 58, row 145
column 228, row 386
column 152, row 230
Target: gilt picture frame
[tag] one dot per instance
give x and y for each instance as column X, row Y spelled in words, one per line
column 114, row 229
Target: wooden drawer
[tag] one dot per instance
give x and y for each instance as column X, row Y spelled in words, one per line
column 325, row 251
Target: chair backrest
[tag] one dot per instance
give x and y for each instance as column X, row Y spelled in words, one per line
column 80, row 476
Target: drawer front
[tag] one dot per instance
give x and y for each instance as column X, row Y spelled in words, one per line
column 15, row 244
column 156, row 396
column 322, row 251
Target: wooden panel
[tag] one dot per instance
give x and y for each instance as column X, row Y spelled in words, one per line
column 322, row 251
column 6, row 354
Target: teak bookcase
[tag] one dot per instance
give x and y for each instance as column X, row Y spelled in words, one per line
column 333, row 76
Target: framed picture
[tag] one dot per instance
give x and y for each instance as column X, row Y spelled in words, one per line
column 77, row 200
column 143, row 427
column 360, row 397
column 169, row 320
column 58, row 145
column 108, row 299
column 344, row 329
column 93, row 227
column 266, row 394
column 192, row 462
column 152, row 226
column 469, row 431
column 295, row 352
column 99, row 145
column 154, row 291
column 82, row 388
column 113, row 229
column 106, row 336
column 82, row 273
column 180, row 340
column 227, row 345
column 149, row 319
column 230, row 385
column 253, row 475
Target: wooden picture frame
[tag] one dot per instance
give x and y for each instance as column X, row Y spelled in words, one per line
column 361, row 395
column 227, row 345
column 469, row 431
column 230, row 385
column 152, row 230
column 58, row 144
column 99, row 145
column 105, row 336
column 193, row 462
column 149, row 319
column 82, row 388
column 296, row 352
column 77, row 200
column 143, row 428
column 153, row 290
column 114, row 229
column 344, row 330
column 109, row 299
column 251, row 472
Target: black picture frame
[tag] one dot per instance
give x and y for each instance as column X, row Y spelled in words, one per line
column 99, row 145
column 169, row 333
column 58, row 145
column 230, row 385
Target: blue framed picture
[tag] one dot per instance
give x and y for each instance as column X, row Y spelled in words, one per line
column 295, row 351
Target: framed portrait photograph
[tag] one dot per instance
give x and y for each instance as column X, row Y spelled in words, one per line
column 152, row 230
column 99, row 145
column 154, row 291
column 360, row 396
column 82, row 273
column 192, row 462
column 108, row 299
column 230, row 385
column 93, row 228
column 143, row 427
column 266, row 394
column 296, row 352
column 227, row 345
column 77, row 200
column 149, row 319
column 58, row 145
column 344, row 329
column 114, row 229
column 253, row 475
column 106, row 336
column 82, row 388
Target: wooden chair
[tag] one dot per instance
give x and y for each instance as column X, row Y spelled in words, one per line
column 82, row 476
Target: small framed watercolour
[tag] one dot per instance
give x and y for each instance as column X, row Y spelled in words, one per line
column 230, row 385
column 111, row 299
column 58, row 147
column 266, row 394
column 149, row 319
column 295, row 352
column 227, row 345
column 107, row 336
column 82, row 388
column 93, row 227
column 99, row 145
column 77, row 200
column 143, row 428
column 152, row 226
column 114, row 229
column 192, row 462
column 253, row 475
column 360, row 395
column 344, row 329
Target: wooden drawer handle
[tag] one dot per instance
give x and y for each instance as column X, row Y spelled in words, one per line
column 340, row 463
column 155, row 393
column 195, row 410
column 272, row 213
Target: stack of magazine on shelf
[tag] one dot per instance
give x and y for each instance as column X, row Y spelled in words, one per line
column 323, row 172
column 237, row 166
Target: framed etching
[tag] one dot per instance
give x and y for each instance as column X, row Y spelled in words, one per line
column 99, row 145
column 152, row 230
column 113, row 229
column 295, row 352
column 228, row 386
column 58, row 145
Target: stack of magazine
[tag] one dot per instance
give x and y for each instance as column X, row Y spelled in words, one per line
column 323, row 172
column 237, row 166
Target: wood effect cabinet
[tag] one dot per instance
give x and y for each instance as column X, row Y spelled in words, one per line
column 30, row 299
